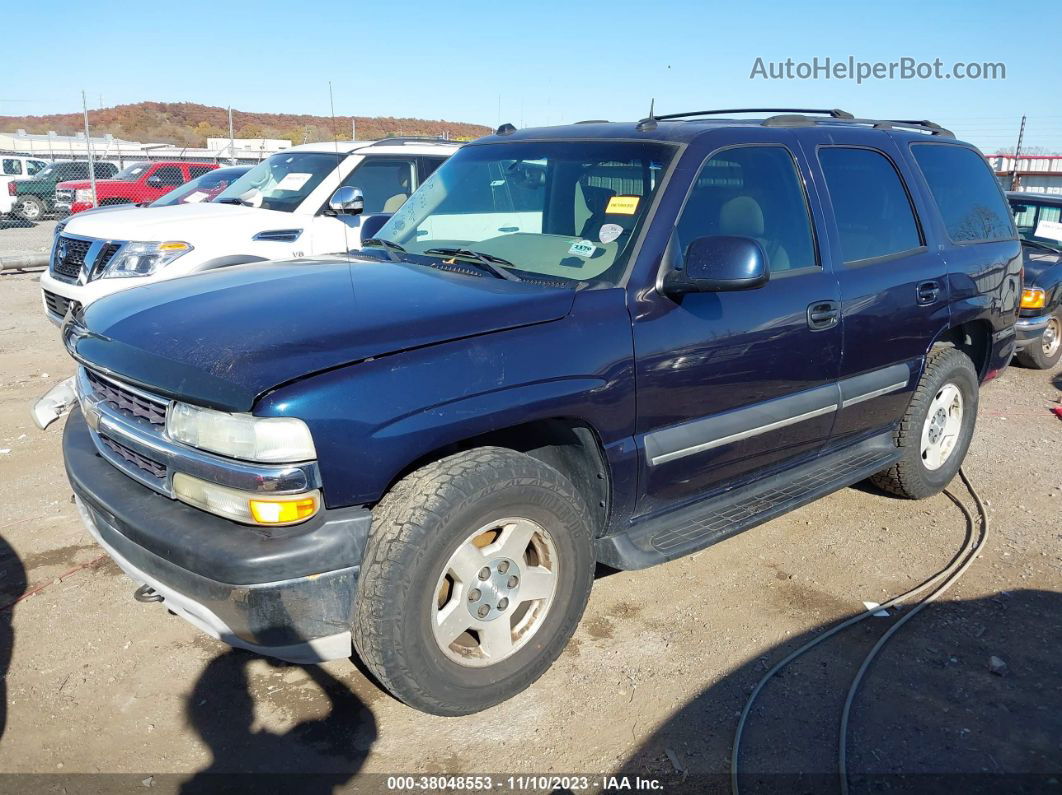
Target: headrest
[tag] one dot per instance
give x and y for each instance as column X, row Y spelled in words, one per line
column 741, row 216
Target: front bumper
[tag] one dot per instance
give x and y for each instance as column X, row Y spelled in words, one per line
column 1028, row 330
column 286, row 592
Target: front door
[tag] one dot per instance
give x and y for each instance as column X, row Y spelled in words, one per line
column 385, row 182
column 734, row 384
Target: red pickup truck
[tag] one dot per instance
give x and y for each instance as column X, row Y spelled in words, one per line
column 134, row 184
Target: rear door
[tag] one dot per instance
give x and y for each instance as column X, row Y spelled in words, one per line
column 732, row 385
column 893, row 280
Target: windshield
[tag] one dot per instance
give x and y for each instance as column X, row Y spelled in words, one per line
column 1038, row 221
column 132, row 172
column 283, row 181
column 201, row 189
column 559, row 209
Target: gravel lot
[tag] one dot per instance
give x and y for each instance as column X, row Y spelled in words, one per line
column 651, row 683
column 19, row 237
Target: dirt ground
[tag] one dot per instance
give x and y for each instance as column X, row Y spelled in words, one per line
column 651, row 684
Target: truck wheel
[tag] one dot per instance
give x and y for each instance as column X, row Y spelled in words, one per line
column 935, row 433
column 1044, row 355
column 475, row 576
column 30, row 208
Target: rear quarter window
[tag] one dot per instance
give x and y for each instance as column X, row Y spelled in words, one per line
column 966, row 193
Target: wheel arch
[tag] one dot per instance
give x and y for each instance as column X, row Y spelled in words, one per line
column 974, row 338
column 568, row 444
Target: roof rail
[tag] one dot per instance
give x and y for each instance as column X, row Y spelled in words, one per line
column 835, row 113
column 799, row 120
column 408, row 139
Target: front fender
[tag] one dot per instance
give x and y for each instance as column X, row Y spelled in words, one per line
column 372, row 420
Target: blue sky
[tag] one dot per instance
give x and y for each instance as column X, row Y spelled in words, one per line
column 546, row 62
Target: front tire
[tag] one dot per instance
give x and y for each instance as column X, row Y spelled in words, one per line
column 936, row 430
column 476, row 574
column 1046, row 351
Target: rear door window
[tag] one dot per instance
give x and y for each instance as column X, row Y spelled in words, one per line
column 965, row 192
column 870, row 204
column 198, row 171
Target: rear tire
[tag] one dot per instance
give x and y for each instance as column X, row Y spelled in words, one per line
column 31, row 209
column 1046, row 351
column 936, row 430
column 435, row 631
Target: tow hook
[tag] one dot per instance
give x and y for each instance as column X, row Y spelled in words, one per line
column 145, row 593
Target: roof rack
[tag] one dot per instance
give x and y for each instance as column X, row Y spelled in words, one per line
column 834, row 113
column 799, row 120
column 408, row 139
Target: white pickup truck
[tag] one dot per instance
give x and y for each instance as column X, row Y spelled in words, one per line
column 13, row 168
column 282, row 208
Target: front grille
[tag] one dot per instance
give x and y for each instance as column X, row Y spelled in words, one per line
column 74, row 251
column 130, row 403
column 58, row 305
column 148, row 465
column 104, row 256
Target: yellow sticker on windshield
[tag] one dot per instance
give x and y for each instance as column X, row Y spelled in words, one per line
column 622, row 205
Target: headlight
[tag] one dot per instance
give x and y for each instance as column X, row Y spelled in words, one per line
column 1033, row 298
column 263, row 439
column 143, row 259
column 243, row 506
column 83, row 196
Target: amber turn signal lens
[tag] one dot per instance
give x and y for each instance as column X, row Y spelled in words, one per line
column 1032, row 298
column 283, row 512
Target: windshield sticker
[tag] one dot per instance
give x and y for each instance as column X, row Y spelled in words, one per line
column 609, row 232
column 497, row 183
column 195, row 197
column 622, row 205
column 582, row 248
column 1052, row 230
column 293, row 181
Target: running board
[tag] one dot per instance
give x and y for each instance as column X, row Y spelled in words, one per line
column 690, row 529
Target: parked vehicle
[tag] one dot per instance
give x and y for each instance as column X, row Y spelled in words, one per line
column 13, row 168
column 35, row 197
column 616, row 343
column 1039, row 330
column 280, row 208
column 137, row 183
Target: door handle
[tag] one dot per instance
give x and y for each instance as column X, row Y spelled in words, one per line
column 823, row 315
column 927, row 292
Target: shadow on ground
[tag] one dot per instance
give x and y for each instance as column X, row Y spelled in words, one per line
column 316, row 755
column 931, row 714
column 12, row 586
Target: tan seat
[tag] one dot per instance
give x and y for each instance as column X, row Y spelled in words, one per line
column 742, row 216
column 396, row 201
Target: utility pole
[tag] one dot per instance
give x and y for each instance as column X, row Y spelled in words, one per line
column 232, row 141
column 353, row 129
column 88, row 147
column 1017, row 152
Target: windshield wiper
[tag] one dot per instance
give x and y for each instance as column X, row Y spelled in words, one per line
column 489, row 262
column 388, row 246
column 229, row 201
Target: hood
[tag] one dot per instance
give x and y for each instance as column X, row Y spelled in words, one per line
column 1041, row 266
column 190, row 222
column 225, row 337
column 81, row 184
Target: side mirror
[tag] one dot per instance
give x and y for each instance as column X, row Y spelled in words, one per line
column 719, row 263
column 371, row 224
column 347, row 201
column 154, row 181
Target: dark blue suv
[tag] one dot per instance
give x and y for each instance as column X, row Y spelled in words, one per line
column 612, row 343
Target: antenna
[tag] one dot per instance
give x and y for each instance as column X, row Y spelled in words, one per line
column 339, row 160
column 648, row 124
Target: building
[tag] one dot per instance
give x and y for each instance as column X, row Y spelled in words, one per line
column 52, row 146
column 1034, row 173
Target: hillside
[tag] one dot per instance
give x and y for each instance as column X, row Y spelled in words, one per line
column 190, row 124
